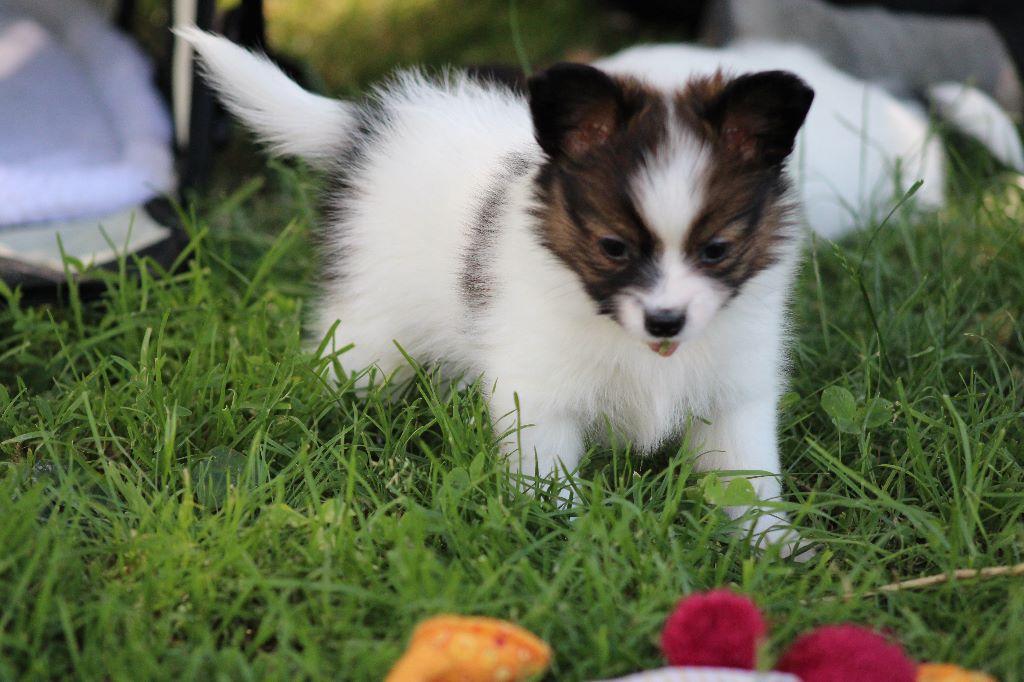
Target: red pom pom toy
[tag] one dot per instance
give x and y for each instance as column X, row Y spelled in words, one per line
column 718, row 628
column 846, row 653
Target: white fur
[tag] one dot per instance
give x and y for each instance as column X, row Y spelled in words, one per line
column 668, row 211
column 409, row 223
column 290, row 120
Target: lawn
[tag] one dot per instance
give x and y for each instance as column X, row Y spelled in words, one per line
column 183, row 497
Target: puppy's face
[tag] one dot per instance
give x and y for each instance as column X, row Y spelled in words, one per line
column 664, row 205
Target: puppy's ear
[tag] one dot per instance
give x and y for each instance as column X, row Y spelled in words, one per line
column 758, row 115
column 575, row 108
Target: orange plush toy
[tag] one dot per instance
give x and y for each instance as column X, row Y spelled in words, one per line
column 465, row 649
column 946, row 672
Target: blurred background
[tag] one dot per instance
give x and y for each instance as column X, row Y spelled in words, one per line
column 342, row 46
column 115, row 158
column 350, row 43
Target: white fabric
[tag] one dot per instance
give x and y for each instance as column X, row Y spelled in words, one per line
column 82, row 131
column 702, row 674
column 94, row 241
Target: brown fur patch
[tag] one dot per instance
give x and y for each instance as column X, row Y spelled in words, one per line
column 584, row 199
column 748, row 214
column 744, row 200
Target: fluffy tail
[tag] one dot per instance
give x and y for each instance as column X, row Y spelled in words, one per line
column 976, row 114
column 290, row 120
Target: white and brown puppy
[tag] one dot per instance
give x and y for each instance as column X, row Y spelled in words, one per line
column 606, row 251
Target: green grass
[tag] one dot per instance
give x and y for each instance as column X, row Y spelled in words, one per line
column 183, row 497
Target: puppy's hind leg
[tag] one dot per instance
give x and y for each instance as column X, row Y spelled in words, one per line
column 364, row 350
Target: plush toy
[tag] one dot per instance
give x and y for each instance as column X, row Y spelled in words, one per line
column 944, row 672
column 716, row 628
column 463, row 649
column 710, row 637
column 715, row 636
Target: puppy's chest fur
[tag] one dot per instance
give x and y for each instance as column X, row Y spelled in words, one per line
column 528, row 320
column 560, row 356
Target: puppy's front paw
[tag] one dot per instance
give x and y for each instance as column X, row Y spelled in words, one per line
column 770, row 530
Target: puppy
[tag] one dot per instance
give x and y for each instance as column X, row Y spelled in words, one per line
column 598, row 250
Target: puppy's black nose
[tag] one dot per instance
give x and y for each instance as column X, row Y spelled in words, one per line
column 664, row 323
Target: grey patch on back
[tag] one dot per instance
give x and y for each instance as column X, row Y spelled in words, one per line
column 474, row 281
column 343, row 190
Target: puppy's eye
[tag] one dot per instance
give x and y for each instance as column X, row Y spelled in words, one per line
column 614, row 248
column 714, row 252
